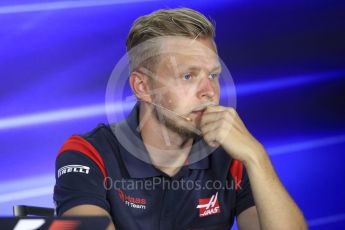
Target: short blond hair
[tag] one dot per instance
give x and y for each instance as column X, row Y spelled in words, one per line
column 165, row 22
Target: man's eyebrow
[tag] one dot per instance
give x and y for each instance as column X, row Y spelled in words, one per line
column 217, row 68
column 196, row 68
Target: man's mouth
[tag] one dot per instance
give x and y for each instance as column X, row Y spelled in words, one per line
column 199, row 112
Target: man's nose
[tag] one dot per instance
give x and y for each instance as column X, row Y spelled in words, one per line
column 207, row 88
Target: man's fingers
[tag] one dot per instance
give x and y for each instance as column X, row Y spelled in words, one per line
column 225, row 118
column 214, row 108
column 214, row 113
column 211, row 140
column 208, row 127
column 212, row 116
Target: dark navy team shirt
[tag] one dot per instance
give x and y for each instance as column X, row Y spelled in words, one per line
column 96, row 169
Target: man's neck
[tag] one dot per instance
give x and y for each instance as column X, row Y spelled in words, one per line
column 167, row 149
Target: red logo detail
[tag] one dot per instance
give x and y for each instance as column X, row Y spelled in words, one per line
column 208, row 206
column 131, row 199
column 121, row 195
column 64, row 224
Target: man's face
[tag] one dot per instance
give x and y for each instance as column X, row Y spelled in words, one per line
column 187, row 78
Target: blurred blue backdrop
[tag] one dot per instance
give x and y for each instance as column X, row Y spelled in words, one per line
column 287, row 60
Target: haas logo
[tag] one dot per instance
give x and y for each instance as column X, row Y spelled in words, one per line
column 208, row 206
column 133, row 202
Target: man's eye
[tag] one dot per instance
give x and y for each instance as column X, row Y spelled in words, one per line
column 213, row 76
column 187, row 76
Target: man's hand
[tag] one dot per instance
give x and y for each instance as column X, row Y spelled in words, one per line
column 222, row 126
column 276, row 209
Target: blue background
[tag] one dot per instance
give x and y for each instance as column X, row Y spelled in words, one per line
column 287, row 60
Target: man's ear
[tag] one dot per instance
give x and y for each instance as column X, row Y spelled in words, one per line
column 140, row 86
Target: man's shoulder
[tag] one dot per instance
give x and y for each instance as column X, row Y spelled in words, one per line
column 99, row 131
column 100, row 139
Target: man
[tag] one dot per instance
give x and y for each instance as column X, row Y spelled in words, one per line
column 175, row 78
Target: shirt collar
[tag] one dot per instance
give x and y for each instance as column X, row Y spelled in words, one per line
column 138, row 168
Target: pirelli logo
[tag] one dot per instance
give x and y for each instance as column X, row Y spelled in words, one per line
column 73, row 169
